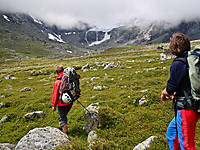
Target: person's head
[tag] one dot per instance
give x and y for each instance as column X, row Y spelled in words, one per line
column 59, row 69
column 179, row 44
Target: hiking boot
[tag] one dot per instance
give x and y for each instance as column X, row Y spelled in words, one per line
column 59, row 128
column 65, row 128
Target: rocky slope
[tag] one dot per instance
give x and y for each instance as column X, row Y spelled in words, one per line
column 26, row 27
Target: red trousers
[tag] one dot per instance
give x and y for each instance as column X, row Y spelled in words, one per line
column 181, row 130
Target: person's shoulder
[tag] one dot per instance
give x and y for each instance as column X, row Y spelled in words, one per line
column 179, row 61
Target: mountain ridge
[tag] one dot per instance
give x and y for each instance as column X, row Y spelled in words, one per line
column 90, row 39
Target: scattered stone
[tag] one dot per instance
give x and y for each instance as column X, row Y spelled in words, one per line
column 144, row 90
column 32, row 72
column 137, row 72
column 146, row 144
column 1, row 105
column 13, row 78
column 148, row 69
column 131, row 61
column 42, row 138
column 100, row 87
column 110, row 65
column 91, row 136
column 151, row 60
column 36, row 114
column 7, row 146
column 3, row 96
column 92, row 79
column 92, row 97
column 36, row 73
column 164, row 67
column 99, row 64
column 166, row 55
column 25, row 89
column 4, row 119
column 91, row 117
column 128, row 67
column 7, row 78
column 143, row 100
column 86, row 67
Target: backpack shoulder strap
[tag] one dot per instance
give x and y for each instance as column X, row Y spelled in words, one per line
column 184, row 60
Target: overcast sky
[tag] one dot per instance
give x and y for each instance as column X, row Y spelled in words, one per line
column 105, row 13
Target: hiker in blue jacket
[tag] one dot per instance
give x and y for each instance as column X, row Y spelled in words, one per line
column 181, row 130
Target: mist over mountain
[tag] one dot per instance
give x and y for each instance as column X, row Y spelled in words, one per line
column 90, row 37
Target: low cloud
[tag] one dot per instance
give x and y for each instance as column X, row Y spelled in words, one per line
column 104, row 13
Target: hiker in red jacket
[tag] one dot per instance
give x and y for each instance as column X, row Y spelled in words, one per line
column 63, row 108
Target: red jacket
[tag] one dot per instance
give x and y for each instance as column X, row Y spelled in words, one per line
column 56, row 94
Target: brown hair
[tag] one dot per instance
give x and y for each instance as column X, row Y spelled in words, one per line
column 179, row 44
column 59, row 69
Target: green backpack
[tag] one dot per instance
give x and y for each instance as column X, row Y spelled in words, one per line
column 193, row 61
column 194, row 75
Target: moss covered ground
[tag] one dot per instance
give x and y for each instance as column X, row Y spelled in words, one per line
column 124, row 123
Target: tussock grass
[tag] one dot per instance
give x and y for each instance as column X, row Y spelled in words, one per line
column 124, row 123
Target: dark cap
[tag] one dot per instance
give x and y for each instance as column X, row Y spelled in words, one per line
column 59, row 69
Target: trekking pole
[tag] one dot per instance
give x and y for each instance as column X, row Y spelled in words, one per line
column 84, row 107
column 87, row 110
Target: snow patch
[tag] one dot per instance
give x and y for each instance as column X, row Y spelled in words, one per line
column 6, row 17
column 69, row 51
column 35, row 20
column 55, row 37
column 69, row 33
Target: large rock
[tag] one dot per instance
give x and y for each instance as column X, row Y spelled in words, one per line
column 91, row 117
column 91, row 136
column 146, row 144
column 7, row 146
column 47, row 138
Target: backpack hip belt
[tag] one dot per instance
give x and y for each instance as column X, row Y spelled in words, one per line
column 185, row 103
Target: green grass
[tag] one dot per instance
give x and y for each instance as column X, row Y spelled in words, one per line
column 124, row 123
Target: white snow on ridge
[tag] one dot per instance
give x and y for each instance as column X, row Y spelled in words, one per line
column 35, row 19
column 6, row 17
column 55, row 37
column 69, row 51
column 69, row 33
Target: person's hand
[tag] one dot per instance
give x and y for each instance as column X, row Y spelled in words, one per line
column 165, row 96
column 53, row 108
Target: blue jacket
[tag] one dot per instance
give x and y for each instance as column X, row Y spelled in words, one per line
column 179, row 78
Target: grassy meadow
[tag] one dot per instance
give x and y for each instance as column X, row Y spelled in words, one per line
column 139, row 73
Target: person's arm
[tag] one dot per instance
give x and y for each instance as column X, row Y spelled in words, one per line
column 177, row 73
column 55, row 95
